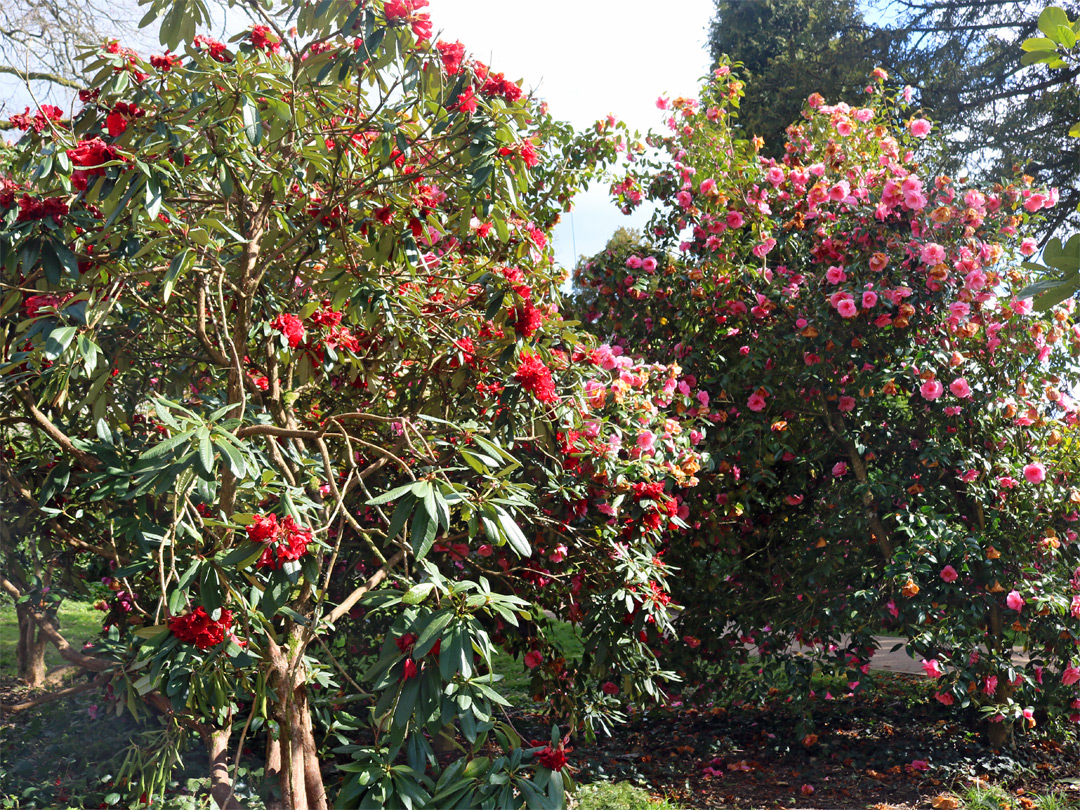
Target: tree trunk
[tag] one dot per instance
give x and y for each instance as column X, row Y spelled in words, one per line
column 30, row 649
column 999, row 734
column 293, row 757
column 221, row 786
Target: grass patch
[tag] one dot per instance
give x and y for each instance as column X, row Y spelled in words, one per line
column 79, row 622
column 618, row 796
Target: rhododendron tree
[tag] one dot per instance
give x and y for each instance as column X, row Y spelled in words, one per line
column 893, row 429
column 283, row 350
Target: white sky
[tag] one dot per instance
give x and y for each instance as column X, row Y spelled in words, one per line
column 587, row 58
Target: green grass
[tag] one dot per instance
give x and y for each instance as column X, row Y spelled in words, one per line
column 618, row 796
column 79, row 622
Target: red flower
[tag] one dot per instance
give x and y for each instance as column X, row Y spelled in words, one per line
column 260, row 39
column 526, row 319
column 552, row 758
column 409, row 670
column 466, row 101
column 199, row 629
column 213, row 47
column 405, row 10
column 32, row 209
column 167, row 62
column 88, row 156
column 535, row 377
column 290, row 326
column 284, row 542
column 39, row 120
column 452, row 53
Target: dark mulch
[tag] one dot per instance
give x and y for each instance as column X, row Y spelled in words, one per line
column 891, row 746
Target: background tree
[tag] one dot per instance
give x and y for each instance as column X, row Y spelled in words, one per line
column 960, row 56
column 788, row 50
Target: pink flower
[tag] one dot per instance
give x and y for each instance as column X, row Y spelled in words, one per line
column 931, row 389
column 919, row 127
column 1028, row 246
column 948, row 573
column 734, row 219
column 846, row 404
column 533, row 659
column 920, row 765
column 609, row 688
column 945, row 698
column 1035, row 472
column 847, row 308
column 839, row 469
column 559, row 554
column 756, row 402
column 990, row 684
column 485, row 550
column 960, row 388
column 932, row 253
column 932, row 668
column 648, row 264
column 869, row 299
column 834, row 275
column 646, row 441
column 1070, row 676
column 1015, row 601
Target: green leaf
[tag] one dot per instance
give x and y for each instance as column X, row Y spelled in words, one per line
column 1051, row 18
column 1036, row 44
column 252, row 121
column 424, row 529
column 58, row 340
column 233, row 457
column 418, row 593
column 392, row 495
column 243, row 555
column 177, row 266
column 206, row 451
column 513, row 534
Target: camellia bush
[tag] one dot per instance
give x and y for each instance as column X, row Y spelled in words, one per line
column 893, row 439
column 283, row 355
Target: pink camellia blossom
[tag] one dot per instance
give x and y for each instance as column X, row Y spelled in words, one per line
column 932, row 668
column 834, row 275
column 533, row 659
column 734, row 219
column 559, row 554
column 1015, row 601
column 919, row 127
column 931, row 389
column 990, row 685
column 684, row 199
column 847, row 309
column 646, row 441
column 648, row 264
column 846, row 404
column 960, row 388
column 932, row 253
column 869, row 299
column 793, row 500
column 839, row 469
column 945, row 698
column 948, row 573
column 1035, row 472
column 708, row 186
column 918, row 766
column 1028, row 246
column 1070, row 676
column 756, row 402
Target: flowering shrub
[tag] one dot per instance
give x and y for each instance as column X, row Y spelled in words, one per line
column 892, row 440
column 286, row 327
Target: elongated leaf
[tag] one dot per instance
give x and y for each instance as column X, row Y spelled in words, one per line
column 513, row 534
column 392, row 495
column 423, row 533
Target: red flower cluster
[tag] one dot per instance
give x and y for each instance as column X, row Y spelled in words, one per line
column 553, row 759
column 535, row 377
column 88, row 156
column 33, row 305
column 497, row 84
column 213, row 47
column 39, row 120
column 284, row 542
column 117, row 120
column 32, row 209
column 167, row 62
column 290, row 326
column 526, row 319
column 406, row 10
column 452, row 53
column 260, row 38
column 199, row 629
